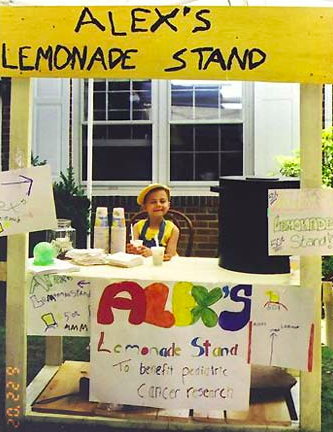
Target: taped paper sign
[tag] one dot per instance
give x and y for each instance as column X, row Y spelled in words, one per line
column 182, row 345
column 175, row 344
column 171, row 345
column 300, row 222
column 58, row 305
column 21, row 194
column 281, row 327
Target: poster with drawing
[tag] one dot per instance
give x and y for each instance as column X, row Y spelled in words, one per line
column 170, row 345
column 300, row 222
column 281, row 327
column 58, row 305
column 26, row 200
column 175, row 344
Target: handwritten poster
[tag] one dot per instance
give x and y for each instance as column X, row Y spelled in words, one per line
column 58, row 305
column 123, row 41
column 26, row 201
column 281, row 327
column 172, row 345
column 175, row 344
column 300, row 222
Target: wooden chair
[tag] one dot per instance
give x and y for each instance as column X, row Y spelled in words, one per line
column 183, row 223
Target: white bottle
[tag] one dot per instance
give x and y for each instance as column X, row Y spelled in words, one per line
column 101, row 229
column 118, row 231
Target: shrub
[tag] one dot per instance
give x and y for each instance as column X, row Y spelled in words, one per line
column 290, row 165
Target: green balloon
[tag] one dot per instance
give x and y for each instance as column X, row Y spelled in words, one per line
column 43, row 254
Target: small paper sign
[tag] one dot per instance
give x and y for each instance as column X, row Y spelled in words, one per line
column 282, row 332
column 300, row 222
column 58, row 305
column 26, row 201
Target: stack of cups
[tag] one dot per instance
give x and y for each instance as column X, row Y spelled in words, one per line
column 118, row 231
column 101, row 229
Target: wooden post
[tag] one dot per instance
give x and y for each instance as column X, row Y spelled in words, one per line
column 16, row 341
column 328, row 305
column 311, row 114
column 3, row 271
column 53, row 350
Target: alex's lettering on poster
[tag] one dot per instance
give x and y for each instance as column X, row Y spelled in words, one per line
column 300, row 222
column 182, row 344
column 119, row 54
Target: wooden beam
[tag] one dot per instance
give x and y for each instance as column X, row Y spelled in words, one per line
column 3, row 271
column 311, row 114
column 16, row 340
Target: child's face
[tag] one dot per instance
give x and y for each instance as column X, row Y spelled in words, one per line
column 157, row 203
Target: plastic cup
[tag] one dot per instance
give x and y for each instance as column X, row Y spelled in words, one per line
column 157, row 253
column 294, row 261
column 136, row 243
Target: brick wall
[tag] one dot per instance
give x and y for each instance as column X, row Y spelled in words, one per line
column 202, row 210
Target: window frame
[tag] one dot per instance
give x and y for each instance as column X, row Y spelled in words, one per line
column 160, row 142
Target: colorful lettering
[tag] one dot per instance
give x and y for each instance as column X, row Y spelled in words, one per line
column 234, row 321
column 156, row 298
column 183, row 303
column 205, row 298
column 136, row 305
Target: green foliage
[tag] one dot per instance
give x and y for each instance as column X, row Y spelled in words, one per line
column 67, row 184
column 327, row 145
column 290, row 165
column 71, row 203
column 327, row 268
column 36, row 162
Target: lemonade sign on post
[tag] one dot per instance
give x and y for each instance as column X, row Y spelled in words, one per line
column 300, row 222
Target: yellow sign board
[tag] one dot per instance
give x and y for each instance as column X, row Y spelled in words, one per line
column 170, row 42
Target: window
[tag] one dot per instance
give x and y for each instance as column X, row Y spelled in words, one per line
column 206, row 130
column 122, row 133
column 176, row 132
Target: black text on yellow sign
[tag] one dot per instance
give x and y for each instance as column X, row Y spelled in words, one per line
column 257, row 44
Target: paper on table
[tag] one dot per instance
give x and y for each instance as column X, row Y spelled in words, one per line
column 123, row 259
column 57, row 267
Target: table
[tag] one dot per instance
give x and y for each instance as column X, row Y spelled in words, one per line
column 197, row 270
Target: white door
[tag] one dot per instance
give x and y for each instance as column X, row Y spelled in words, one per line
column 50, row 139
column 276, row 124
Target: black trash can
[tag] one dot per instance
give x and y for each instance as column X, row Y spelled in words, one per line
column 243, row 224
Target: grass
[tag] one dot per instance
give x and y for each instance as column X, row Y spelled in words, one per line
column 327, row 390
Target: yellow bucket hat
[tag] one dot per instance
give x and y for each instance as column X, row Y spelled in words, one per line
column 145, row 191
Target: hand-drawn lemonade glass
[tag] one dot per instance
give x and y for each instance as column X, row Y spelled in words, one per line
column 63, row 238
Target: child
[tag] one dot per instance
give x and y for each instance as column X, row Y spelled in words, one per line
column 155, row 200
